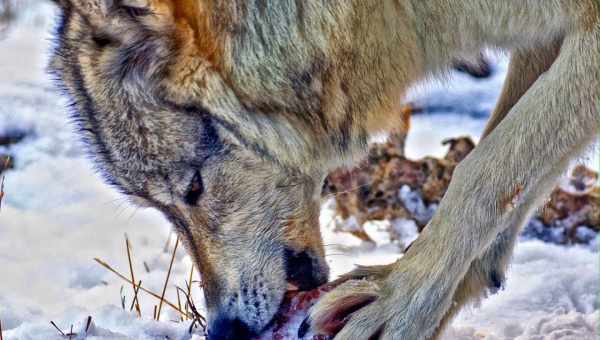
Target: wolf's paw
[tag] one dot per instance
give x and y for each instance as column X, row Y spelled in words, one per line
column 404, row 304
column 332, row 312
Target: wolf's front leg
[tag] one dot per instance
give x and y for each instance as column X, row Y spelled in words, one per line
column 501, row 181
column 487, row 273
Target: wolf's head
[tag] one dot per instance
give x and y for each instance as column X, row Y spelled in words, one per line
column 150, row 86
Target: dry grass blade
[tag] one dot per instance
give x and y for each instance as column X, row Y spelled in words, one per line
column 122, row 277
column 123, row 297
column 189, row 288
column 197, row 318
column 168, row 243
column 134, row 302
column 167, row 279
column 87, row 324
column 178, row 305
column 135, row 299
column 57, row 328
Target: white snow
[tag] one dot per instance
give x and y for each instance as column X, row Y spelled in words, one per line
column 414, row 203
column 58, row 215
column 547, row 285
column 407, row 231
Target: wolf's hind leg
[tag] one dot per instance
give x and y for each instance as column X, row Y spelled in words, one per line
column 487, row 273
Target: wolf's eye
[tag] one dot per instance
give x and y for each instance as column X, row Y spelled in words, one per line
column 195, row 190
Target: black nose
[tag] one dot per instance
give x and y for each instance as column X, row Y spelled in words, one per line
column 228, row 329
column 303, row 270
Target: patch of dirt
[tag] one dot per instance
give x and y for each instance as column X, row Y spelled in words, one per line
column 389, row 186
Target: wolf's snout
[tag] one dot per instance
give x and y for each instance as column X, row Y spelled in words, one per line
column 304, row 270
column 229, row 329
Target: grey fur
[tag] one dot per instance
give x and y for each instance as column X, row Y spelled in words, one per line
column 263, row 98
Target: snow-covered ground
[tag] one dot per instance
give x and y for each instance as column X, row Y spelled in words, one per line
column 57, row 216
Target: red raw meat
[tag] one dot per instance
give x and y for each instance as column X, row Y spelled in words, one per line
column 294, row 310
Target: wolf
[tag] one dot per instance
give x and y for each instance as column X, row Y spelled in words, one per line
column 226, row 115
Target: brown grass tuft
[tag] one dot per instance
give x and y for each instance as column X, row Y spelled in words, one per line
column 178, row 305
column 185, row 305
column 122, row 277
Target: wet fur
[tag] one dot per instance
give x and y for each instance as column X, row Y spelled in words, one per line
column 281, row 92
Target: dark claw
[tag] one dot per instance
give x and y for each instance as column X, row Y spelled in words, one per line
column 304, row 327
column 496, row 281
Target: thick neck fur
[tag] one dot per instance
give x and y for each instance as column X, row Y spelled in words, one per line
column 304, row 76
column 293, row 80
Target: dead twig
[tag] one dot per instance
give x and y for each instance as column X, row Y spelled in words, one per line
column 135, row 298
column 122, row 277
column 1, row 338
column 162, row 297
column 134, row 302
